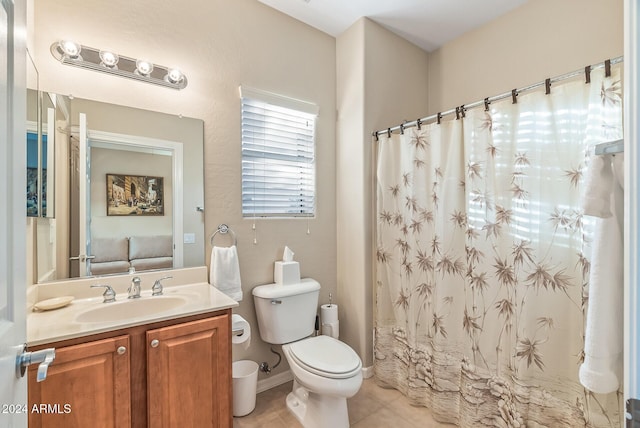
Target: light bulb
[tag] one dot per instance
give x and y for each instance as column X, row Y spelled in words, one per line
column 144, row 68
column 174, row 76
column 109, row 59
column 70, row 48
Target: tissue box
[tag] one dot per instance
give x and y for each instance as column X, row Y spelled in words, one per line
column 286, row 273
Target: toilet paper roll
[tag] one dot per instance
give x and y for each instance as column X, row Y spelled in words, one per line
column 328, row 313
column 239, row 323
column 329, row 319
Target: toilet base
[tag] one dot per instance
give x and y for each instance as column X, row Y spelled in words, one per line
column 317, row 411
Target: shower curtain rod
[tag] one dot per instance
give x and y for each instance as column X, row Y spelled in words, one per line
column 513, row 94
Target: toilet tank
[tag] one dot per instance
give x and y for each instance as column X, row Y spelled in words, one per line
column 286, row 313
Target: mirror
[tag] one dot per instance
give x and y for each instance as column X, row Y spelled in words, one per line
column 128, row 188
column 39, row 155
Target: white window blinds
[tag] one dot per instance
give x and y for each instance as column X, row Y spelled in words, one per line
column 278, row 156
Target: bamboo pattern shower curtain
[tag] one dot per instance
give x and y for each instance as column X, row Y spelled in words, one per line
column 483, row 260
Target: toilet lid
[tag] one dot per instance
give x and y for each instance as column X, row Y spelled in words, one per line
column 326, row 356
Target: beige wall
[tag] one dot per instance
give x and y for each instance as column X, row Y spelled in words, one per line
column 350, row 172
column 381, row 80
column 542, row 38
column 220, row 45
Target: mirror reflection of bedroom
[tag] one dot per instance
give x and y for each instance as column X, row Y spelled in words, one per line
column 109, row 203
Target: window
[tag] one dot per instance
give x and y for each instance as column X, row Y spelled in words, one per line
column 278, row 155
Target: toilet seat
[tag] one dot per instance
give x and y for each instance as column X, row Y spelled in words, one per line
column 326, row 356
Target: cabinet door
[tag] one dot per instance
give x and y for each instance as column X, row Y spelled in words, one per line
column 189, row 374
column 87, row 385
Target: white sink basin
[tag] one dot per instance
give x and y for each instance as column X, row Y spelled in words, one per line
column 130, row 308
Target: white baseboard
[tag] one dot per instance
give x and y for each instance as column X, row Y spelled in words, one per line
column 367, row 372
column 274, row 380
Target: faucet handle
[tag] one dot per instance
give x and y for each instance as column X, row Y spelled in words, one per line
column 134, row 288
column 157, row 286
column 109, row 294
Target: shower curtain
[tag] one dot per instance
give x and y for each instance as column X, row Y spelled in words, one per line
column 483, row 259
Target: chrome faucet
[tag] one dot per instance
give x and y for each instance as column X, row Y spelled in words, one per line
column 109, row 295
column 156, row 290
column 134, row 288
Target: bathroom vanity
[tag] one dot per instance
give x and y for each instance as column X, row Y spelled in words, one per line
column 129, row 366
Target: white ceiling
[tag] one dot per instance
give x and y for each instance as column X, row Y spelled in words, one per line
column 426, row 23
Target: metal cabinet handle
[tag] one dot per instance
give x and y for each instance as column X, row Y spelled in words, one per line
column 44, row 357
column 155, row 343
column 121, row 350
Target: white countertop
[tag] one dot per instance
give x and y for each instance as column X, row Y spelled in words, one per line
column 60, row 324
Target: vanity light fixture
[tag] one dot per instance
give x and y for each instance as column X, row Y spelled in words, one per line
column 143, row 68
column 68, row 53
column 174, row 76
column 70, row 49
column 109, row 59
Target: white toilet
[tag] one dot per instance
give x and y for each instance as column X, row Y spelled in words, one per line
column 326, row 371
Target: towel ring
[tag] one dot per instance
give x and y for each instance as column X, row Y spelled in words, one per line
column 223, row 229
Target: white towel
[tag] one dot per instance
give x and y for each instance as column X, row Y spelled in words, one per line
column 224, row 272
column 602, row 368
column 596, row 200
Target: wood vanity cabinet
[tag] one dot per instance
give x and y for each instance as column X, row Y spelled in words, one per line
column 174, row 373
column 89, row 382
column 185, row 364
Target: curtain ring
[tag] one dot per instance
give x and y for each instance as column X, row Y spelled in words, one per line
column 587, row 74
column 486, row 104
column 388, row 132
column 419, row 123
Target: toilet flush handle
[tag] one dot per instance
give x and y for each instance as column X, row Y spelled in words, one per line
column 276, row 302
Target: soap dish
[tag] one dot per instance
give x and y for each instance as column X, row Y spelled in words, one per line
column 55, row 303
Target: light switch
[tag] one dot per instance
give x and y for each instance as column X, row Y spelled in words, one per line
column 189, row 238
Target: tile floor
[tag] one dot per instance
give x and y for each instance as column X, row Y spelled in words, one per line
column 371, row 407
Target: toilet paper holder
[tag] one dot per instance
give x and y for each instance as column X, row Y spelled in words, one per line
column 237, row 332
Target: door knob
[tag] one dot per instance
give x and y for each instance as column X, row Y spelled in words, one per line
column 155, row 343
column 44, row 357
column 121, row 350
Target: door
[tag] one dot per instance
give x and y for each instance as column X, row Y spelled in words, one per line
column 86, row 383
column 80, row 210
column 189, row 374
column 13, row 389
column 632, row 214
column 85, row 199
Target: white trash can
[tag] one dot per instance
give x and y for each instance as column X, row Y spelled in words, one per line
column 245, row 382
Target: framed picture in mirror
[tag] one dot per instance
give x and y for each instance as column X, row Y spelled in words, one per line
column 134, row 195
